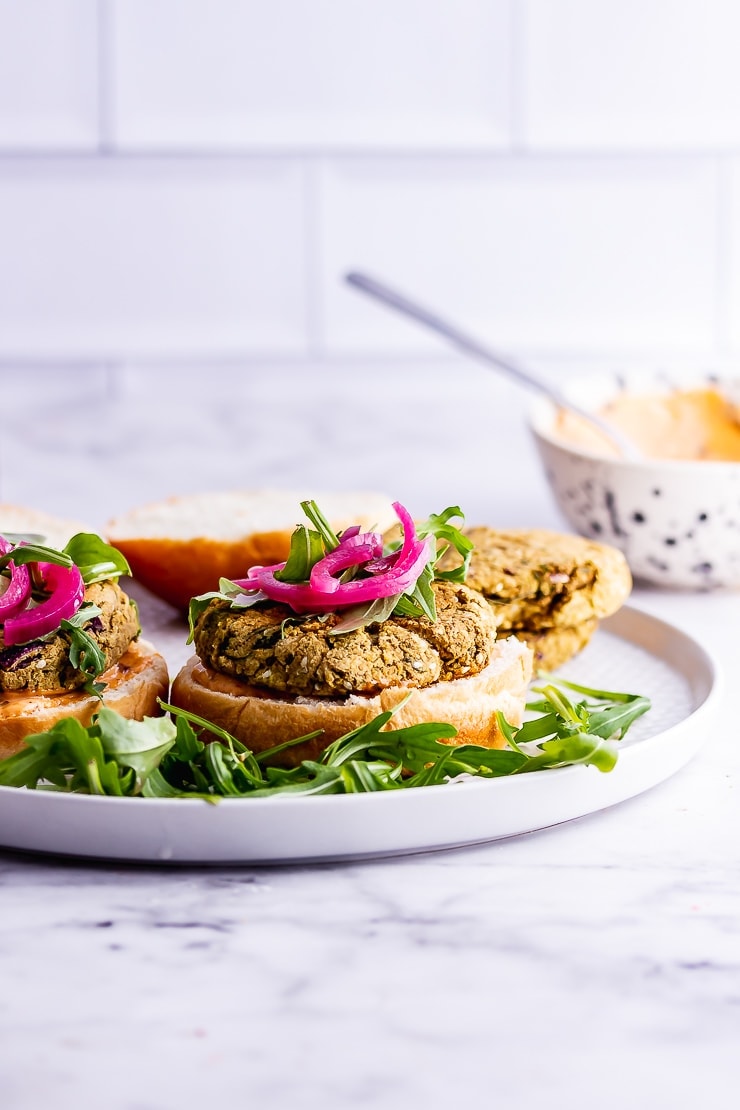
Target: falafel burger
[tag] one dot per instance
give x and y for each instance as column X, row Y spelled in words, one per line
column 69, row 638
column 349, row 627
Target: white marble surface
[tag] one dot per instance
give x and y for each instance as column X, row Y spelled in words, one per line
column 592, row 964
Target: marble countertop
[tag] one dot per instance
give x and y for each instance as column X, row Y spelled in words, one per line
column 592, row 963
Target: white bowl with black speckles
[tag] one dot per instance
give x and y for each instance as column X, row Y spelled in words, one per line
column 677, row 521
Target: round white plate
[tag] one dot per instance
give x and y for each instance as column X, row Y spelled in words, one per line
column 632, row 651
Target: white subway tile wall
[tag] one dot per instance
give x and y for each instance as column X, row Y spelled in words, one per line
column 189, row 180
column 109, row 257
column 635, row 75
column 531, row 252
column 48, row 74
column 337, row 73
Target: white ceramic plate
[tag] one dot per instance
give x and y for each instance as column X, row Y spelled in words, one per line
column 632, row 651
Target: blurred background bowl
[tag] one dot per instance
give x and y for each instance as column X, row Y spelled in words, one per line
column 676, row 520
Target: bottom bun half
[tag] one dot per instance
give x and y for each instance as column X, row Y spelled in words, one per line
column 133, row 686
column 261, row 720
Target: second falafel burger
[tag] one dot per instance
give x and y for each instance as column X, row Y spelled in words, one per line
column 348, row 628
column 69, row 638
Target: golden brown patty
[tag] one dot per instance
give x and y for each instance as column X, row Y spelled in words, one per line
column 269, row 646
column 554, row 646
column 538, row 580
column 43, row 666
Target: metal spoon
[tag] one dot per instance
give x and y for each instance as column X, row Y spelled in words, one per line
column 474, row 347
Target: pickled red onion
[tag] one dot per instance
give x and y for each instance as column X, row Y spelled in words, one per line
column 67, row 590
column 352, row 552
column 19, row 587
column 389, row 575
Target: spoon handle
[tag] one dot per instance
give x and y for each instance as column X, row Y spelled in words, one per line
column 466, row 342
column 472, row 346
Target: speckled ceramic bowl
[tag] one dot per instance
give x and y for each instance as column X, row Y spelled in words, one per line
column 677, row 521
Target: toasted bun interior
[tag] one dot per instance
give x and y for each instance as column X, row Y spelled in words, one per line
column 261, row 720
column 133, row 685
column 180, row 547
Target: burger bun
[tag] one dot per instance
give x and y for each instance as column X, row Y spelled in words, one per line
column 260, row 719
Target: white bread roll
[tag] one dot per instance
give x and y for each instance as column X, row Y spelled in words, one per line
column 180, row 547
column 57, row 531
column 133, row 685
column 262, row 719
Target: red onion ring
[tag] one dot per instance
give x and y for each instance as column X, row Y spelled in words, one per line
column 67, row 590
column 19, row 587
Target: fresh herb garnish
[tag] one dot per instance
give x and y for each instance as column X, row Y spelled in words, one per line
column 95, row 558
column 306, row 548
column 159, row 757
column 35, row 553
column 84, row 652
column 227, row 591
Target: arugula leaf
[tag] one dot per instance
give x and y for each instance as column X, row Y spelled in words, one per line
column 35, row 553
column 420, row 600
column 359, row 616
column 70, row 757
column 321, row 524
column 568, row 732
column 139, row 745
column 227, row 591
column 95, row 558
column 449, row 535
column 306, row 548
column 157, row 757
column 84, row 652
column 23, row 537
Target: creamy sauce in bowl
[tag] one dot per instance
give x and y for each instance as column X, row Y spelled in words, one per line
column 694, row 424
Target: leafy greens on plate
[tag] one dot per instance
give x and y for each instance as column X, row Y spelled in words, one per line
column 164, row 758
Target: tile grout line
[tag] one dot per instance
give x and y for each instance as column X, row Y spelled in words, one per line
column 517, row 78
column 216, row 154
column 104, row 17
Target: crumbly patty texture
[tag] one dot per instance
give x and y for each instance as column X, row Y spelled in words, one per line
column 537, row 580
column 300, row 655
column 43, row 666
column 551, row 647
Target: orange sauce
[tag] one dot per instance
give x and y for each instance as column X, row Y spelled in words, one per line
column 684, row 424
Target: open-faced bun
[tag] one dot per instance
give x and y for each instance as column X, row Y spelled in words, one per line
column 133, row 685
column 56, row 530
column 262, row 719
column 180, row 547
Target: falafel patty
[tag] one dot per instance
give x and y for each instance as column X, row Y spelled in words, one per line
column 270, row 646
column 554, row 646
column 538, row 579
column 43, row 666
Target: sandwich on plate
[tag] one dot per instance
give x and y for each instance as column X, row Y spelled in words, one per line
column 69, row 636
column 346, row 627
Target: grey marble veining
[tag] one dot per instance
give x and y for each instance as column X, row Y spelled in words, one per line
column 596, row 963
